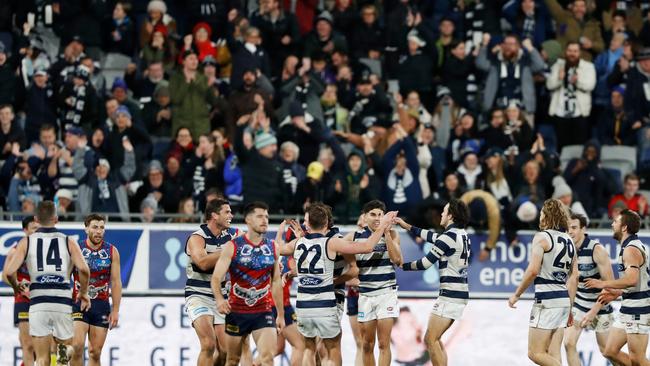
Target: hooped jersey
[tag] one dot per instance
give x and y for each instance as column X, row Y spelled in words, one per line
column 636, row 299
column 251, row 274
column 452, row 248
column 198, row 280
column 586, row 297
column 550, row 284
column 50, row 267
column 376, row 271
column 99, row 261
column 315, row 275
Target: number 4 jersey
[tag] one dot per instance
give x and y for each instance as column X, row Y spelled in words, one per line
column 550, row 284
column 49, row 265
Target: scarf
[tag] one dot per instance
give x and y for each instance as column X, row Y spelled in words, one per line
column 104, row 189
column 73, row 113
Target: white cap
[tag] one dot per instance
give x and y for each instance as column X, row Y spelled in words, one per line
column 527, row 212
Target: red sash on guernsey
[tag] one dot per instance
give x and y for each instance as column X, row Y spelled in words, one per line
column 251, row 272
column 99, row 261
column 23, row 277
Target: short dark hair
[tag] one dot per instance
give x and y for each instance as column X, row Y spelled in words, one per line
column 214, row 206
column 318, row 217
column 632, row 220
column 512, row 35
column 459, row 212
column 573, row 42
column 249, row 208
column 3, row 106
column 93, row 217
column 27, row 220
column 630, row 176
column 47, row 127
column 581, row 218
column 371, row 205
column 45, row 212
column 619, row 13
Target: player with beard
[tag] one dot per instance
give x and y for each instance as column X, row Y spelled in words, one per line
column 203, row 249
column 632, row 324
column 21, row 302
column 103, row 259
column 554, row 269
column 252, row 262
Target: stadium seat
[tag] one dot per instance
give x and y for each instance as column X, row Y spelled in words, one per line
column 570, row 152
column 621, row 158
column 615, row 175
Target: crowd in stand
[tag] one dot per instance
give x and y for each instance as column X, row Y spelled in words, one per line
column 340, row 101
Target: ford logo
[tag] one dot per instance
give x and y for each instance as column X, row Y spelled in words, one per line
column 310, row 281
column 560, row 276
column 49, row 279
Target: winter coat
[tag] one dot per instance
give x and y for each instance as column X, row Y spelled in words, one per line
column 401, row 192
column 571, row 30
column 585, row 84
column 191, row 103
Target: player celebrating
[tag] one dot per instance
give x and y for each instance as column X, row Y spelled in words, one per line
column 21, row 302
column 554, row 269
column 50, row 256
column 203, row 249
column 378, row 305
column 452, row 250
column 633, row 321
column 290, row 331
column 103, row 259
column 251, row 261
column 593, row 262
column 315, row 253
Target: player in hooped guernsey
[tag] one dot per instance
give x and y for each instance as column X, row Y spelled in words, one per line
column 50, row 257
column 105, row 282
column 451, row 250
column 593, row 262
column 378, row 306
column 251, row 261
column 632, row 324
column 315, row 254
column 21, row 302
column 553, row 268
column 203, row 248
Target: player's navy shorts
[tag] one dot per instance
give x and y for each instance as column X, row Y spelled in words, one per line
column 21, row 312
column 353, row 305
column 290, row 316
column 97, row 316
column 242, row 324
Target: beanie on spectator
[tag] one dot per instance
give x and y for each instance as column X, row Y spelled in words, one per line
column 414, row 36
column 326, row 16
column 264, row 139
column 442, row 91
column 527, row 212
column 619, row 89
column 122, row 110
column 162, row 89
column 119, row 83
column 561, row 190
column 83, row 73
column 643, row 54
column 104, row 162
column 64, row 193
column 203, row 25
column 296, row 109
column 150, row 202
column 157, row 5
column 161, row 28
column 553, row 50
column 154, row 165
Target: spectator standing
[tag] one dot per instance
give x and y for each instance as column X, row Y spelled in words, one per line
column 415, row 72
column 637, row 92
column 10, row 131
column 157, row 114
column 250, row 56
column 157, row 15
column 78, row 101
column 120, row 31
column 510, row 73
column 324, row 38
column 613, row 125
column 586, row 177
column 279, row 31
column 571, row 81
column 529, row 19
column 159, row 48
column 575, row 26
column 8, row 79
column 457, row 70
column 191, row 96
column 401, row 189
column 368, row 35
column 40, row 105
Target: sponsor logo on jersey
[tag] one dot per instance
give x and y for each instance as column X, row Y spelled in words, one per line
column 49, row 278
column 310, row 281
column 379, row 248
column 620, row 267
column 463, row 272
column 560, row 276
column 94, row 291
column 250, row 295
column 586, row 267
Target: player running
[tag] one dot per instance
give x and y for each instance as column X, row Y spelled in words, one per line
column 632, row 324
column 21, row 302
column 50, row 256
column 203, row 249
column 378, row 307
column 103, row 259
column 593, row 262
column 554, row 269
column 452, row 250
column 316, row 305
column 252, row 262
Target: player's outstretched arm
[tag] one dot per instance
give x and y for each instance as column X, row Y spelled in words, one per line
column 14, row 260
column 393, row 246
column 441, row 247
column 276, row 291
column 200, row 256
column 83, row 271
column 428, row 235
column 633, row 260
column 540, row 244
column 352, row 272
column 220, row 270
column 116, row 289
column 343, row 246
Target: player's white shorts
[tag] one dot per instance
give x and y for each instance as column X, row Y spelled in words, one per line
column 198, row 306
column 45, row 323
column 378, row 307
column 629, row 323
column 601, row 323
column 326, row 326
column 548, row 318
column 447, row 309
column 340, row 309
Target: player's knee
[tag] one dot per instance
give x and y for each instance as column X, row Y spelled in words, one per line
column 94, row 353
column 208, row 344
column 609, row 352
column 570, row 343
column 383, row 344
column 368, row 345
column 637, row 358
column 78, row 349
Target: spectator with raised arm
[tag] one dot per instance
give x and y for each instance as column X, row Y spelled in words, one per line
column 401, row 190
column 576, row 25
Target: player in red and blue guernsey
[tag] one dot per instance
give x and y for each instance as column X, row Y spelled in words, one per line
column 252, row 262
column 104, row 262
column 21, row 302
